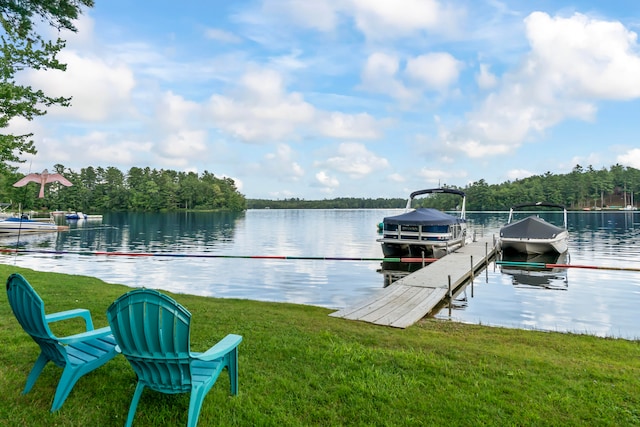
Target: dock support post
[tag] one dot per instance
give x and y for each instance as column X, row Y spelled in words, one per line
column 472, row 276
column 486, row 260
column 450, row 296
column 486, row 254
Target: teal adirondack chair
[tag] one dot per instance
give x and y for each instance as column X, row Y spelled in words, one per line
column 77, row 354
column 153, row 332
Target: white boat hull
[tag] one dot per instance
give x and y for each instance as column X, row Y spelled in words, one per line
column 14, row 226
column 559, row 244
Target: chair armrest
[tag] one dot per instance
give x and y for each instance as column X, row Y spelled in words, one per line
column 221, row 348
column 92, row 334
column 69, row 314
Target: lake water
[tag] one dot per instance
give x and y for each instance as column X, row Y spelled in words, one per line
column 208, row 254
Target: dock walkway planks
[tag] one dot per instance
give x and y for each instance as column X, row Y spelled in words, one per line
column 412, row 297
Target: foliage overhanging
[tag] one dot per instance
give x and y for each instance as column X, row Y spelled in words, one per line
column 22, row 48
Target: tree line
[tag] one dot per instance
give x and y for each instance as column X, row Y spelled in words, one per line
column 582, row 188
column 97, row 190
column 337, row 203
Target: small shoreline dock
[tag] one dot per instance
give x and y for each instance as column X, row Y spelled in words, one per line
column 410, row 298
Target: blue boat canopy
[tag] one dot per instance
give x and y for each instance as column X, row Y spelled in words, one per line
column 423, row 216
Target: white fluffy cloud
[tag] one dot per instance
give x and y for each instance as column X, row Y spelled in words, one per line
column 387, row 19
column 355, row 160
column 376, row 19
column 573, row 63
column 182, row 147
column 282, row 164
column 436, row 71
column 582, row 56
column 379, row 74
column 320, row 15
column 348, row 126
column 100, row 90
column 100, row 148
column 261, row 110
column 514, row 174
column 485, row 79
column 175, row 112
column 329, row 183
column 630, row 158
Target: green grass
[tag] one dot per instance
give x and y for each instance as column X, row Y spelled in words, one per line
column 299, row 366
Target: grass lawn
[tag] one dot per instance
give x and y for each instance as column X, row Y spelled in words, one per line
column 299, row 367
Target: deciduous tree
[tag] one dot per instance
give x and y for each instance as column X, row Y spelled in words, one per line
column 21, row 48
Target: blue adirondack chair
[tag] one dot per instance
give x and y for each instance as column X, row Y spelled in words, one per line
column 77, row 354
column 153, row 332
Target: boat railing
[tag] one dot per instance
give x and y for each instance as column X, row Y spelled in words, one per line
column 418, row 233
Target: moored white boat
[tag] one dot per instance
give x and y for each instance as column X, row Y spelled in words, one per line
column 534, row 235
column 424, row 232
column 75, row 216
column 17, row 225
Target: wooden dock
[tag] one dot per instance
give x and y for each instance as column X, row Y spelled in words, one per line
column 412, row 297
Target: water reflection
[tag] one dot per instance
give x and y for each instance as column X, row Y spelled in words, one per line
column 392, row 271
column 598, row 302
column 461, row 300
column 531, row 271
column 154, row 232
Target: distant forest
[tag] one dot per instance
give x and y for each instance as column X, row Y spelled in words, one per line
column 580, row 189
column 98, row 190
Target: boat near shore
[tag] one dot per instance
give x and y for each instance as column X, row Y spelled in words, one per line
column 534, row 235
column 76, row 216
column 17, row 225
column 424, row 232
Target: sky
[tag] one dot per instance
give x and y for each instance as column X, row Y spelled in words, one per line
column 345, row 98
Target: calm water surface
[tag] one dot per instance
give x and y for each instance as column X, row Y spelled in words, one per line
column 597, row 301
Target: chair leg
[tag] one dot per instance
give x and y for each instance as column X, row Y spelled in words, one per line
column 134, row 403
column 233, row 370
column 195, row 405
column 35, row 372
column 69, row 378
